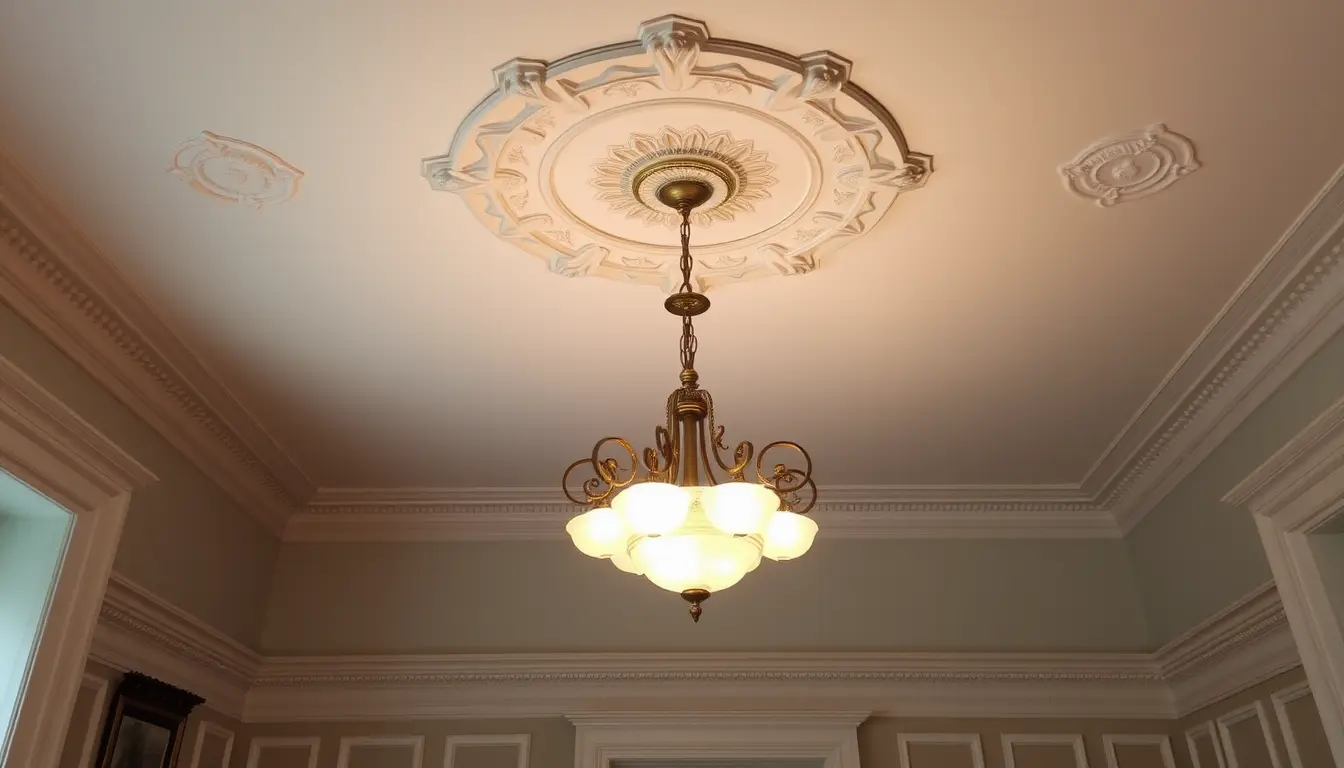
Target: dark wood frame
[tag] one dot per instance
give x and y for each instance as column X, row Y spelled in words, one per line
column 143, row 698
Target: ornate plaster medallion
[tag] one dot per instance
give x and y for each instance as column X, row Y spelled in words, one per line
column 234, row 171
column 564, row 159
column 1131, row 166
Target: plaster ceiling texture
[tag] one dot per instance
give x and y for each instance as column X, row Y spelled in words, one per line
column 255, row 170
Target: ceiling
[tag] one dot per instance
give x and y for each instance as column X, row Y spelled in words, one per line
column 993, row 329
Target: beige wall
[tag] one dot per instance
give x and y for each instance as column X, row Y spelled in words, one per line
column 209, row 736
column 185, row 539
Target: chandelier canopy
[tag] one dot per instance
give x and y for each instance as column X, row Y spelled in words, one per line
column 671, row 520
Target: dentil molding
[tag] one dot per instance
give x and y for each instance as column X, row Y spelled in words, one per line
column 563, row 158
column 1228, row 652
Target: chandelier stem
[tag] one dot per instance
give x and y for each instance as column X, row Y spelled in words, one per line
column 690, row 448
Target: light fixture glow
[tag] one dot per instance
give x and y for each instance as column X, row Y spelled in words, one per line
column 668, row 517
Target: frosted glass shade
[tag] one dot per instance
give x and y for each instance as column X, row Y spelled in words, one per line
column 622, row 560
column 789, row 535
column 598, row 532
column 739, row 508
column 652, row 508
column 709, row 561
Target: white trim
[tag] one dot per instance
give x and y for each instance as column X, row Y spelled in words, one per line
column 416, row 743
column 1281, row 699
column 47, row 446
column 1207, row 730
column 1110, row 741
column 972, row 740
column 1074, row 740
column 831, row 737
column 522, row 742
column 313, row 743
column 203, row 728
column 1255, row 709
column 99, row 686
column 1296, row 491
column 847, row 512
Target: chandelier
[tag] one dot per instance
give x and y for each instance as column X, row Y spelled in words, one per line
column 671, row 520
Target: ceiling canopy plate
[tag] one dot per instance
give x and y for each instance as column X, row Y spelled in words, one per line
column 565, row 159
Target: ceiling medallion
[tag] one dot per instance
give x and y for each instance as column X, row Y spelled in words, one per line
column 234, row 171
column 684, row 530
column 1131, row 166
column 563, row 158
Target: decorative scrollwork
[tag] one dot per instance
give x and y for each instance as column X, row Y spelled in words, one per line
column 741, row 455
column 660, row 473
column 796, row 491
column 609, row 476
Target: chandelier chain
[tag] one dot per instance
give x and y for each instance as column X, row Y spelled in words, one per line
column 688, row 340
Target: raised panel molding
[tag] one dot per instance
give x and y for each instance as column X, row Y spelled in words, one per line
column 969, row 740
column 207, row 728
column 348, row 743
column 258, row 745
column 522, row 742
column 99, row 687
column 1072, row 740
column 1252, row 711
column 1205, row 730
column 831, row 737
column 1162, row 742
column 1281, row 700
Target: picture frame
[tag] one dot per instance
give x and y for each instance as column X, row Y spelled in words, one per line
column 144, row 723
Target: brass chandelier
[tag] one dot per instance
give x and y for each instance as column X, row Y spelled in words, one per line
column 671, row 520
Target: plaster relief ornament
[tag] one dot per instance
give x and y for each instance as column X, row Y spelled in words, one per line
column 564, row 159
column 234, row 171
column 1128, row 167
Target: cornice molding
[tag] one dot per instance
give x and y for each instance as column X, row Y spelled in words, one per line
column 1282, row 314
column 498, row 514
column 1240, row 646
column 58, row 281
column 1295, row 468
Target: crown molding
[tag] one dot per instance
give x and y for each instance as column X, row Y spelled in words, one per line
column 1229, row 652
column 58, row 282
column 1281, row 315
column 501, row 514
column 1296, row 468
column 137, row 630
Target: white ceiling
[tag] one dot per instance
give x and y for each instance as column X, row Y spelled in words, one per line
column 992, row 329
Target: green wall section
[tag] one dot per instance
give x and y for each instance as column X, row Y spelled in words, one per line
column 1193, row 554
column 949, row 594
column 185, row 540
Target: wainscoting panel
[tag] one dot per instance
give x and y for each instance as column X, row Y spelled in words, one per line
column 506, row 750
column 1300, row 723
column 941, row 750
column 85, row 723
column 381, row 752
column 284, row 752
column 213, row 746
column 1044, row 750
column 1246, row 738
column 1125, row 750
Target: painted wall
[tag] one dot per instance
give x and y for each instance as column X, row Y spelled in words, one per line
column 845, row 595
column 184, row 539
column 1194, row 555
column 33, row 533
column 1328, row 550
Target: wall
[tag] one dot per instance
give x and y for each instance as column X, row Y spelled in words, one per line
column 33, row 533
column 210, row 739
column 1328, row 550
column 845, row 595
column 184, row 539
column 1278, row 715
column 1193, row 555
